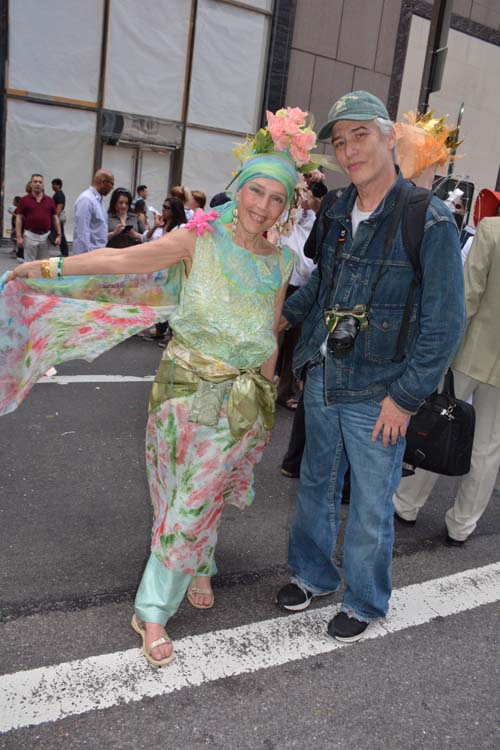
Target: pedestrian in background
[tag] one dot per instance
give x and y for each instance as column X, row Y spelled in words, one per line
column 142, row 195
column 141, row 211
column 35, row 216
column 219, row 199
column 198, row 200
column 183, row 193
column 476, row 371
column 124, row 227
column 172, row 217
column 60, row 200
column 90, row 220
column 12, row 213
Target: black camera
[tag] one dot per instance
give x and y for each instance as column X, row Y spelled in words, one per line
column 344, row 325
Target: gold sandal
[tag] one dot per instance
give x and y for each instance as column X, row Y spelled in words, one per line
column 138, row 626
column 193, row 590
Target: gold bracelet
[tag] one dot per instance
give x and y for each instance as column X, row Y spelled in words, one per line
column 53, row 267
column 45, row 269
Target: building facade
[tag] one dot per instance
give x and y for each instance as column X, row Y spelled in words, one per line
column 160, row 92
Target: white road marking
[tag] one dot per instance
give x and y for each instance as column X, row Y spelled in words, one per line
column 69, row 379
column 55, row 692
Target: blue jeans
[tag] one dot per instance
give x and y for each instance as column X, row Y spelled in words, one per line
column 337, row 436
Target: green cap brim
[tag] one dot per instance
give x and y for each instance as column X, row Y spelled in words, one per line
column 325, row 130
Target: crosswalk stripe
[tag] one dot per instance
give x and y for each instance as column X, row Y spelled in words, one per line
column 52, row 693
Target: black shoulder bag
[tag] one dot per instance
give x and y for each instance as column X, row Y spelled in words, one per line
column 439, row 436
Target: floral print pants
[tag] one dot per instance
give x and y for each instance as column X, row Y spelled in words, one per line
column 193, row 470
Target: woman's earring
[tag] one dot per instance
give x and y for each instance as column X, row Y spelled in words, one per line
column 235, row 221
column 280, row 227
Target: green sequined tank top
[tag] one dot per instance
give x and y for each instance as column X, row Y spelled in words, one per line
column 226, row 306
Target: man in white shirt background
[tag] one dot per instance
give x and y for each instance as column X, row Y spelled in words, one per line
column 90, row 219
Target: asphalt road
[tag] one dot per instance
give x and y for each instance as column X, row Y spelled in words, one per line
column 74, row 529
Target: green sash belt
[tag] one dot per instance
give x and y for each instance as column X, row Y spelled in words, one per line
column 184, row 371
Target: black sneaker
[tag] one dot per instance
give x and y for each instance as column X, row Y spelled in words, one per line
column 346, row 629
column 451, row 542
column 295, row 598
column 404, row 521
column 290, row 473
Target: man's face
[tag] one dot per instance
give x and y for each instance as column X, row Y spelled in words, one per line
column 143, row 193
column 105, row 184
column 364, row 154
column 37, row 184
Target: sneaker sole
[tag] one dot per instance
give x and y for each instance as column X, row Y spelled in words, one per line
column 294, row 607
column 290, row 474
column 304, row 605
column 349, row 638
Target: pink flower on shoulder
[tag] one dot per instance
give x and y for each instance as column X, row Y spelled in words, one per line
column 201, row 221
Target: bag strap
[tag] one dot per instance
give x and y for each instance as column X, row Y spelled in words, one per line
column 449, row 384
column 414, row 225
column 323, row 223
column 395, row 219
column 412, row 230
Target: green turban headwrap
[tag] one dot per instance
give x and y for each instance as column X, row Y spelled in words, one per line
column 275, row 165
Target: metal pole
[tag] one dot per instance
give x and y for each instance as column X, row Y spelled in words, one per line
column 436, row 52
column 102, row 83
column 451, row 165
column 178, row 156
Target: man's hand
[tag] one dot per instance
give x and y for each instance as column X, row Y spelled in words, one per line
column 392, row 421
column 57, row 240
column 315, row 176
column 20, row 241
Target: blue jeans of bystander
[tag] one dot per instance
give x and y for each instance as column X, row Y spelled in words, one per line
column 337, row 436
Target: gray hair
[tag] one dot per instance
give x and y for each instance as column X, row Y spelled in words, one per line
column 386, row 128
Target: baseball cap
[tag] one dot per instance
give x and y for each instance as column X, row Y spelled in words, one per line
column 357, row 105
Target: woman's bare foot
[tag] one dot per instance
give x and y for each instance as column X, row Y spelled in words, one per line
column 158, row 655
column 200, row 592
column 153, row 633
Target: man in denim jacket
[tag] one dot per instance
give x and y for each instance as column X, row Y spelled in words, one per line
column 358, row 395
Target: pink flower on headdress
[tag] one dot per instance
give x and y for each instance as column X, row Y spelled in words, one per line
column 201, row 221
column 297, row 116
column 300, row 146
column 288, row 131
column 276, row 127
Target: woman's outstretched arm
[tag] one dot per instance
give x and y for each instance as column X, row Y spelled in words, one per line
column 170, row 249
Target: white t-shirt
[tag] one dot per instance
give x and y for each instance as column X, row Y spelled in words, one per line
column 302, row 266
column 357, row 217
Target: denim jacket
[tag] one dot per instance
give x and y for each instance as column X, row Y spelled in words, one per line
column 437, row 317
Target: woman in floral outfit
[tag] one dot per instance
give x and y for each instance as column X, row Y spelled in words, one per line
column 212, row 402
